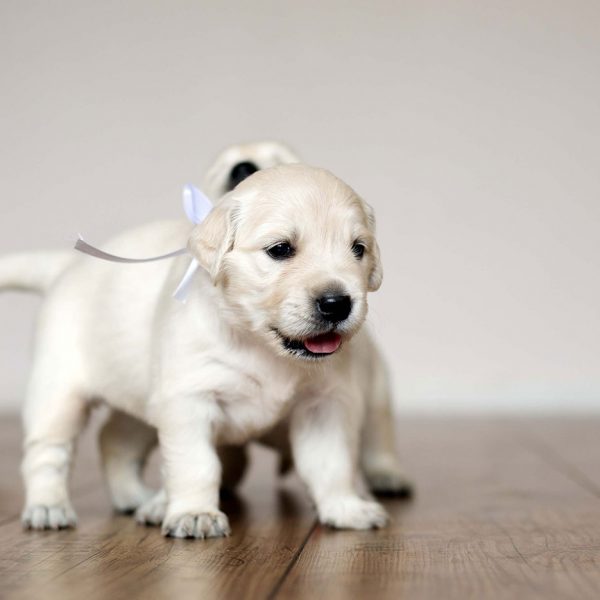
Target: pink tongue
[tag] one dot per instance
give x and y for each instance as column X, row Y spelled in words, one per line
column 323, row 344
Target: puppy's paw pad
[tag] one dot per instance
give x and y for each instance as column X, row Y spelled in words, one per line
column 211, row 524
column 40, row 516
column 353, row 513
column 153, row 511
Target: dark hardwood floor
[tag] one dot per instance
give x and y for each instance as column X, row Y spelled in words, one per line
column 504, row 509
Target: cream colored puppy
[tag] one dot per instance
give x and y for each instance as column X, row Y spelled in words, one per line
column 271, row 334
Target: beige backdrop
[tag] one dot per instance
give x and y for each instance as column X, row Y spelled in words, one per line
column 472, row 127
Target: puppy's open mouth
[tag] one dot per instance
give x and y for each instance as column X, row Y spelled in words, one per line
column 316, row 346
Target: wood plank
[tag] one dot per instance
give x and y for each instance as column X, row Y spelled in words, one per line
column 111, row 556
column 491, row 519
column 269, row 526
column 494, row 517
column 572, row 445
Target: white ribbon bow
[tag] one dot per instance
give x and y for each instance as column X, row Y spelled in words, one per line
column 196, row 206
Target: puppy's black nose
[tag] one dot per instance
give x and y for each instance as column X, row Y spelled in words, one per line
column 239, row 172
column 334, row 308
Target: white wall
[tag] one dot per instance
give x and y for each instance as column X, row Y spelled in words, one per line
column 472, row 127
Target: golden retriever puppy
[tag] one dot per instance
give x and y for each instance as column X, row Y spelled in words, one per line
column 271, row 338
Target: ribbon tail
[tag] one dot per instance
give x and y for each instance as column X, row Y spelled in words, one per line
column 184, row 285
column 82, row 246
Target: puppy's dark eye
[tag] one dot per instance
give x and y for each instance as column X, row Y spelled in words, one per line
column 281, row 251
column 358, row 249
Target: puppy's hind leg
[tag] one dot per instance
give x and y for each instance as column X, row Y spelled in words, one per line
column 153, row 511
column 55, row 414
column 379, row 459
column 125, row 443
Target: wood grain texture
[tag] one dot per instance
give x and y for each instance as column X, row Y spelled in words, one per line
column 504, row 509
column 110, row 556
column 492, row 519
column 571, row 445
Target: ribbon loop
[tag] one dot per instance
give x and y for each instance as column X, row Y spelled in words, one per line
column 195, row 204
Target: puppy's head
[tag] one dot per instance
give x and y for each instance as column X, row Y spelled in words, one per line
column 293, row 252
column 237, row 162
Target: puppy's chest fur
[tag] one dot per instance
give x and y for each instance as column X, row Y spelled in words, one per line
column 256, row 396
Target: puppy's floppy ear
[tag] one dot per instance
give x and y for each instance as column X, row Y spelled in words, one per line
column 212, row 239
column 376, row 273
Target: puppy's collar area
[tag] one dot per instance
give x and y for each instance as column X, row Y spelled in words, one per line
column 196, row 206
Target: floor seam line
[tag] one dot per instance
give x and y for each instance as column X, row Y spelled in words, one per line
column 278, row 585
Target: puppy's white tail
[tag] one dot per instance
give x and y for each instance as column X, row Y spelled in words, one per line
column 32, row 271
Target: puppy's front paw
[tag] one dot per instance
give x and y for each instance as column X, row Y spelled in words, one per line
column 210, row 524
column 352, row 512
column 40, row 516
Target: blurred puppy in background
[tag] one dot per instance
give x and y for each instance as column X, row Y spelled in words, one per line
column 269, row 346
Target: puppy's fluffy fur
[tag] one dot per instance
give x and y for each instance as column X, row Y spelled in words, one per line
column 228, row 366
